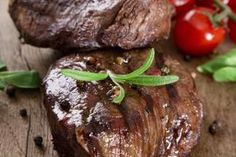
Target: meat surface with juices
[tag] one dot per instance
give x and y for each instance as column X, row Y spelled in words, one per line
column 150, row 122
column 91, row 24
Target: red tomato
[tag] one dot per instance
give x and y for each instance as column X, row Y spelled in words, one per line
column 182, row 6
column 195, row 34
column 209, row 3
column 232, row 30
column 231, row 23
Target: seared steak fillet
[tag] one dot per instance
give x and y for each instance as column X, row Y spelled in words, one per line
column 91, row 24
column 150, row 122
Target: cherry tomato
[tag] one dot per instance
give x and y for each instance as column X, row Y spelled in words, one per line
column 209, row 3
column 231, row 23
column 232, row 30
column 182, row 6
column 195, row 34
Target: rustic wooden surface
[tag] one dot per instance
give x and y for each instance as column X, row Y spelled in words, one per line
column 16, row 133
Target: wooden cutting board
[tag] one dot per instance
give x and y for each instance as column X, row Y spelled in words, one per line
column 16, row 133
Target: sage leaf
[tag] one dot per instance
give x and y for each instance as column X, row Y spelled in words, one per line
column 20, row 79
column 146, row 65
column 229, row 59
column 227, row 74
column 83, row 75
column 150, row 80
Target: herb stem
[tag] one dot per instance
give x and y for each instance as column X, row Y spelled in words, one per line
column 121, row 95
column 227, row 11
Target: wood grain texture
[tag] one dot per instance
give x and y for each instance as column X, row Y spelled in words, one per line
column 16, row 134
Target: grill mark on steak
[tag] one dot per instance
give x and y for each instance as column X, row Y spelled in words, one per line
column 149, row 101
column 100, row 128
column 159, row 58
column 173, row 95
column 68, row 24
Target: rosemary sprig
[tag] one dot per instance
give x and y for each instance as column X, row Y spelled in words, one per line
column 136, row 77
column 84, row 76
column 148, row 80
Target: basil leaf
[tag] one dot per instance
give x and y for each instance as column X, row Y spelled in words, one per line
column 149, row 80
column 83, row 75
column 2, row 85
column 2, row 65
column 148, row 62
column 121, row 96
column 227, row 74
column 21, row 79
column 229, row 59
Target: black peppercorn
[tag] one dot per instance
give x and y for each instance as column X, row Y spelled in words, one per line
column 23, row 113
column 214, row 127
column 10, row 91
column 38, row 141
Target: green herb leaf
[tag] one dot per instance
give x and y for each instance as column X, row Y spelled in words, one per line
column 228, row 59
column 149, row 80
column 2, row 85
column 148, row 62
column 21, row 79
column 121, row 95
column 83, row 75
column 227, row 74
column 2, row 65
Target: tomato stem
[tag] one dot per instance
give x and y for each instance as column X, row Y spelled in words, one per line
column 227, row 12
column 219, row 17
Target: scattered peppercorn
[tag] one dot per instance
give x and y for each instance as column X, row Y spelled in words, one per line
column 23, row 113
column 38, row 141
column 214, row 127
column 10, row 91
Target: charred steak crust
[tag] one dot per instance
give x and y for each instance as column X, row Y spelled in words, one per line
column 91, row 24
column 151, row 121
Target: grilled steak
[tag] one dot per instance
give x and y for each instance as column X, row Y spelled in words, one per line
column 91, row 24
column 150, row 122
